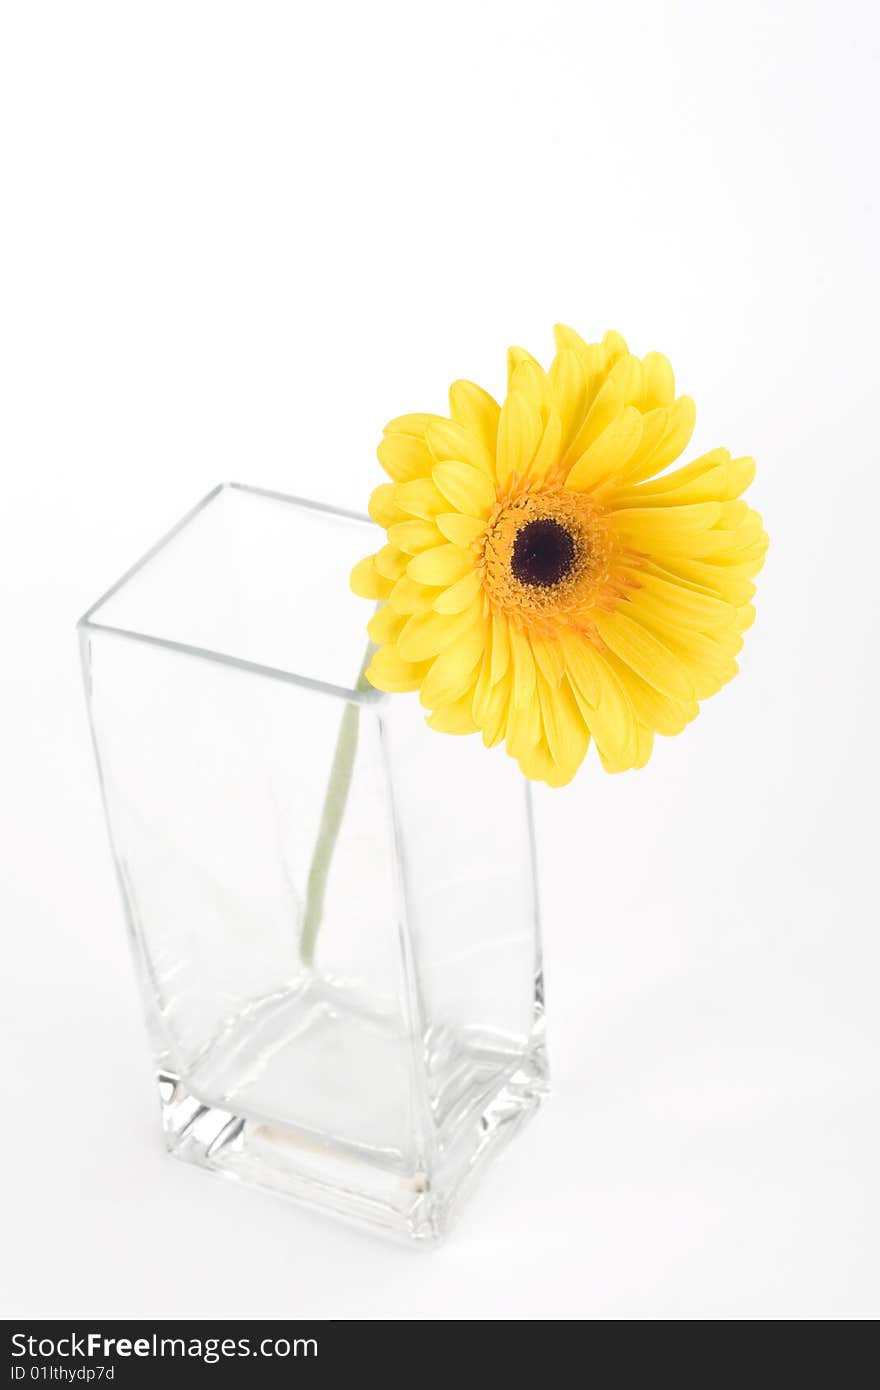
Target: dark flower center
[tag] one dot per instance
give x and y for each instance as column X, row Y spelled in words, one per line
column 543, row 553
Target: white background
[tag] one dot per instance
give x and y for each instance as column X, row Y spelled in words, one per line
column 236, row 238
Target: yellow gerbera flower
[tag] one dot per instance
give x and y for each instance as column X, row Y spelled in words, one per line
column 541, row 582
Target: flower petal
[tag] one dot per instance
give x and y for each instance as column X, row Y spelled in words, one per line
column 539, row 764
column 605, row 409
column 549, row 449
column 441, row 565
column 567, row 340
column 679, row 604
column 610, row 719
column 709, row 662
column 523, row 727
column 528, row 378
column 454, row 671
column 459, row 595
column 388, row 671
column 645, row 653
column 391, row 562
column 460, row 529
column 416, row 424
column 367, row 582
column 413, row 536
column 409, row 597
column 609, row 454
column 469, row 490
column 385, row 625
column 654, row 425
column 658, row 381
column 569, row 387
column 653, row 709
column 420, row 498
column 652, row 529
column 404, row 456
column 474, row 408
column 500, row 648
column 645, row 745
column 516, row 356
column 564, row 729
column 627, row 373
column 675, row 439
column 728, row 582
column 548, row 659
column 714, row 477
column 450, row 441
column 519, row 434
column 428, row 634
column 453, row 719
column 523, row 666
column 614, row 345
column 492, row 715
column 580, row 662
column 383, row 506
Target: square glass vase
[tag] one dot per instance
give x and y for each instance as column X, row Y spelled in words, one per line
column 332, row 908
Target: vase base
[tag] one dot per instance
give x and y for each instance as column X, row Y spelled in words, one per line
column 364, row 1172
column 330, row 1177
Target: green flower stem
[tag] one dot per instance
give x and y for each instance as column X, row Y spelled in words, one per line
column 335, row 802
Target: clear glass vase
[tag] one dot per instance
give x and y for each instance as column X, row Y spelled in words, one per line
column 343, row 988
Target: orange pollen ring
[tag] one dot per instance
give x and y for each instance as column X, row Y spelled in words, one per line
column 579, row 533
